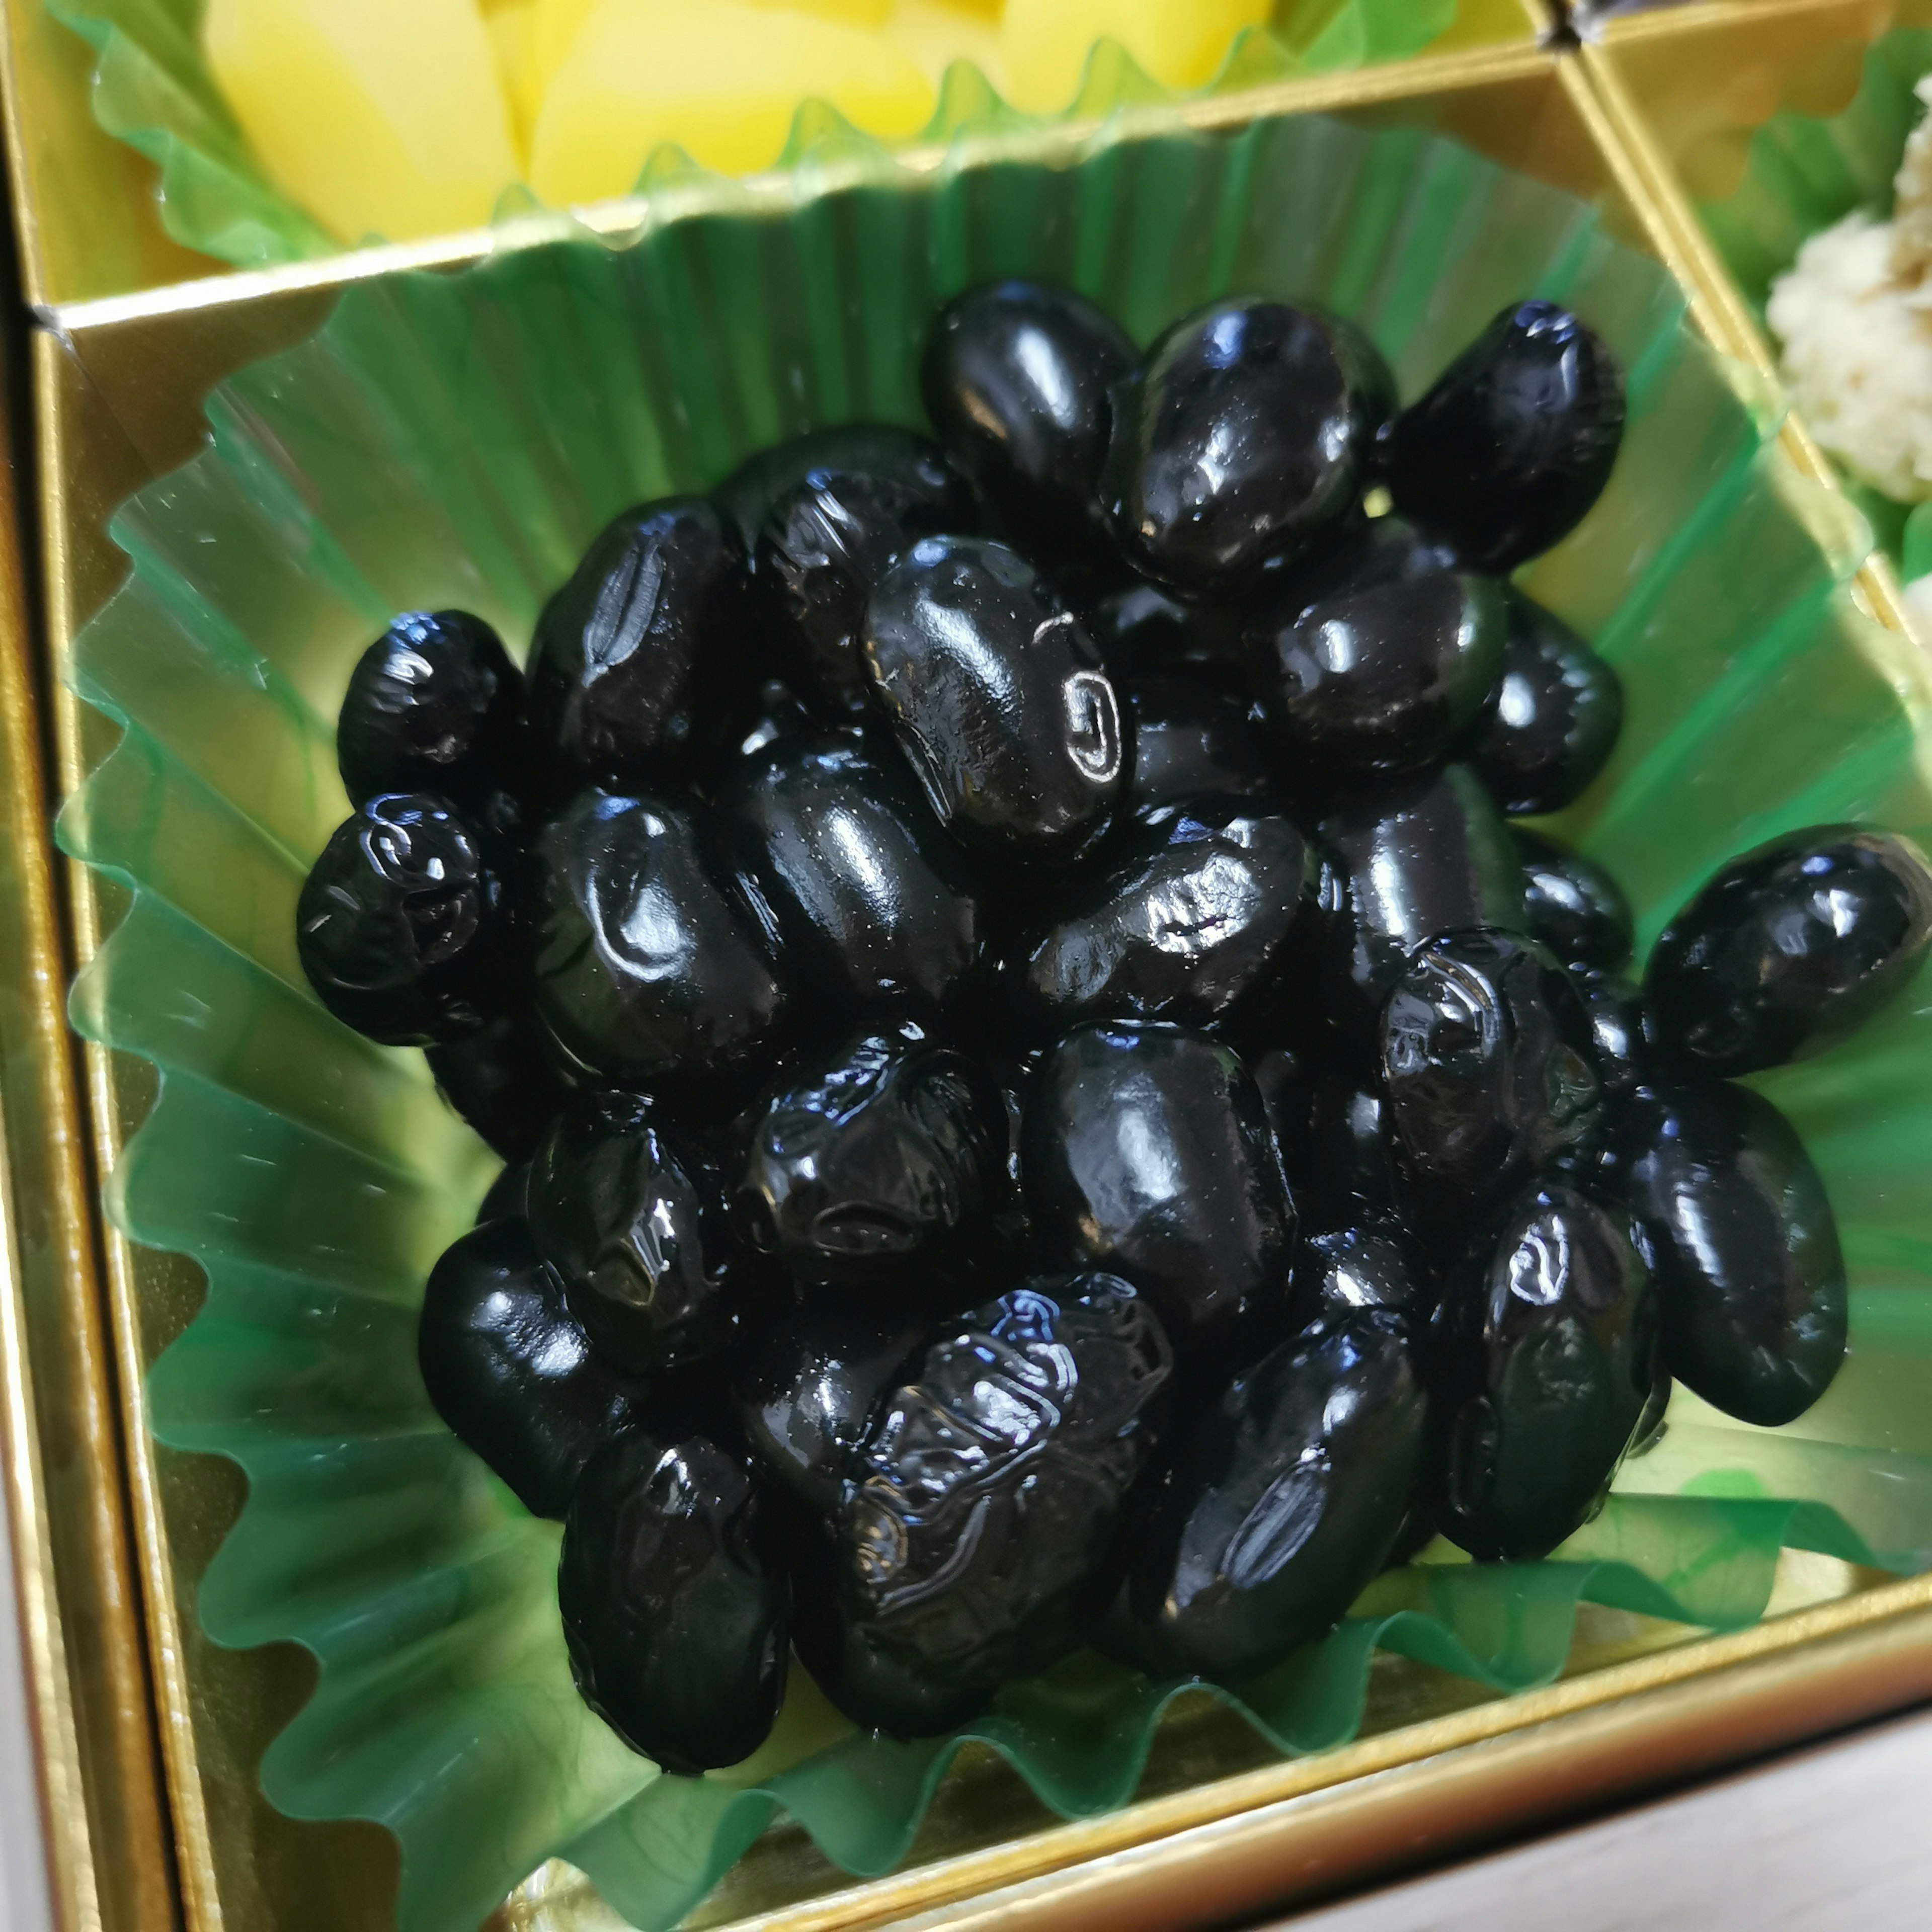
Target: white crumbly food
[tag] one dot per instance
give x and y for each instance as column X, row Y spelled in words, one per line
column 1854, row 316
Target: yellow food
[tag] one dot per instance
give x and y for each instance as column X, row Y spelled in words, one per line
column 853, row 13
column 1180, row 43
column 381, row 117
column 934, row 34
column 512, row 39
column 720, row 79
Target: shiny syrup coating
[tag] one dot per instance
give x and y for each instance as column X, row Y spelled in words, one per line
column 864, row 496
column 675, row 1601
column 1195, row 912
column 1749, row 1272
column 871, row 900
column 637, row 1224
column 501, row 1082
column 811, row 1382
column 401, row 926
column 1624, row 1061
column 890, row 1152
column 510, row 1368
column 1284, row 1500
column 434, row 705
column 1145, row 630
column 1146, row 1151
column 1789, row 948
column 635, row 659
column 1192, row 741
column 1487, row 1061
column 1545, row 1357
column 998, row 698
column 1369, row 1266
column 1245, row 434
column 1552, row 720
column 1507, row 453
column 647, row 962
column 1574, row 906
column 1015, row 379
column 1416, row 857
column 975, row 1543
column 1379, row 674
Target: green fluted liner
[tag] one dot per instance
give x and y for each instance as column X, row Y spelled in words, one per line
column 153, row 89
column 455, row 440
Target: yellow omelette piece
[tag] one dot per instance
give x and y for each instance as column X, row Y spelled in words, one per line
column 381, row 117
column 1180, row 43
column 934, row 34
column 721, row 79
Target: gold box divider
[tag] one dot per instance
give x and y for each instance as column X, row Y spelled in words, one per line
column 118, row 383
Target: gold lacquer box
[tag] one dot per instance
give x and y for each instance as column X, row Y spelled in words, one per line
column 152, row 1734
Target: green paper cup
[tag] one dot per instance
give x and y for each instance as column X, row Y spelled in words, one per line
column 152, row 89
column 455, row 440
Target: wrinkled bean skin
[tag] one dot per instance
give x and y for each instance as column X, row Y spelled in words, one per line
column 434, row 705
column 870, row 902
column 635, row 658
column 1369, row 1266
column 1191, row 741
column 1508, row 451
column 510, row 1368
column 1789, row 948
column 1146, row 1151
column 1552, row 719
column 1196, row 913
column 810, row 1383
column 1378, row 675
column 1003, row 1467
column 1546, row 1353
column 1574, row 907
column 402, row 926
column 864, row 496
column 501, row 1082
column 891, row 1153
column 998, row 700
column 1487, row 1061
column 647, row 962
column 1246, row 432
column 1416, row 858
column 1285, row 1500
column 1015, row 379
column 637, row 1226
column 1750, row 1274
column 675, row 1601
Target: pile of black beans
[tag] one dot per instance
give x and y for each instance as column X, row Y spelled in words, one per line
column 1046, row 1102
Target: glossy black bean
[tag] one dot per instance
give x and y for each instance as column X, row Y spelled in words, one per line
column 1245, row 434
column 1653, row 1424
column 1378, row 675
column 510, row 1368
column 1147, row 1152
column 1789, row 948
column 434, row 705
column 998, row 698
column 635, row 661
column 401, row 926
column 636, row 1222
column 1369, row 1265
column 1574, row 906
column 1416, row 857
column 1489, row 1064
column 1544, row 1358
column 675, row 1601
column 891, row 1152
column 501, row 1082
column 1508, row 451
column 1748, row 1266
column 1552, row 719
column 1624, row 1058
column 974, row 1544
column 508, row 1197
column 1015, row 379
column 1192, row 741
column 811, row 1382
column 1285, row 1500
column 1196, row 913
column 855, row 499
column 1348, row 1167
column 1144, row 630
column 870, row 900
column 647, row 962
